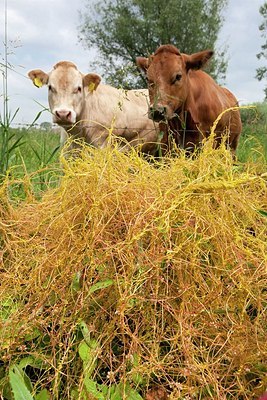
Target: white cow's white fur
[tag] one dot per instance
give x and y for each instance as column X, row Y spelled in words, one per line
column 95, row 112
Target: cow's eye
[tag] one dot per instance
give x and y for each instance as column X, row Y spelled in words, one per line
column 51, row 89
column 77, row 90
column 177, row 78
column 151, row 84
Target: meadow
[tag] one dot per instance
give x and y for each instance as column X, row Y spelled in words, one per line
column 37, row 148
column 124, row 279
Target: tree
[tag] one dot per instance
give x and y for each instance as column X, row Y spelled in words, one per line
column 121, row 30
column 262, row 71
column 46, row 126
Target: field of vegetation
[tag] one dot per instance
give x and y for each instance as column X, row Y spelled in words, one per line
column 125, row 279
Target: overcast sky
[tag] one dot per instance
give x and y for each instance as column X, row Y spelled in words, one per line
column 43, row 32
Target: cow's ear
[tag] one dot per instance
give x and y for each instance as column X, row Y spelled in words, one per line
column 142, row 63
column 91, row 81
column 197, row 60
column 38, row 77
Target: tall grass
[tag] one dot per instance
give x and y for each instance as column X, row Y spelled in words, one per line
column 37, row 157
column 6, row 147
column 21, row 151
column 253, row 141
column 8, row 144
column 38, row 149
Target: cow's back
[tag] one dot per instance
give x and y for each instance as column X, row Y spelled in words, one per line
column 208, row 101
column 122, row 113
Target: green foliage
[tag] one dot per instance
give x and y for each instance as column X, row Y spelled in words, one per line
column 38, row 148
column 88, row 351
column 46, row 126
column 262, row 71
column 253, row 142
column 20, row 386
column 9, row 143
column 33, row 152
column 125, row 29
column 18, row 382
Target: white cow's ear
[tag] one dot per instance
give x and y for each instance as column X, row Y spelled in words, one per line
column 197, row 60
column 38, row 77
column 91, row 81
column 142, row 63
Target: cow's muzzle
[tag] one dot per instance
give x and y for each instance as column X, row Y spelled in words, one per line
column 64, row 116
column 157, row 114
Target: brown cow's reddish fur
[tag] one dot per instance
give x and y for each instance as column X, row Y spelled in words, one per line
column 186, row 100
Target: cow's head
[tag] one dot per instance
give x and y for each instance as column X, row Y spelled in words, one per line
column 167, row 72
column 67, row 88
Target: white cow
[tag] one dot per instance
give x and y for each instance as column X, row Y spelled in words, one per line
column 95, row 112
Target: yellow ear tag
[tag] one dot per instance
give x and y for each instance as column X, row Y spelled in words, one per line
column 91, row 87
column 38, row 82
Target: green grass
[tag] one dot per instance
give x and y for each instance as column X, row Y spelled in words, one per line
column 38, row 149
column 253, row 141
column 36, row 155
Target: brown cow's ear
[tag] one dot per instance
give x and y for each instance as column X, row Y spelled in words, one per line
column 142, row 63
column 91, row 81
column 38, row 77
column 197, row 60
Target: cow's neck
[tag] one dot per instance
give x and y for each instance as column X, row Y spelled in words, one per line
column 76, row 131
column 184, row 129
column 184, row 119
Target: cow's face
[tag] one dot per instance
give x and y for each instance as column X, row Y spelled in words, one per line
column 67, row 88
column 167, row 73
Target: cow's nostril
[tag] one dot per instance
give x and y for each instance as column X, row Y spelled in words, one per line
column 63, row 115
column 157, row 114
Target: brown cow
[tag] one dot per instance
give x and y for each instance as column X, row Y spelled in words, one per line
column 187, row 100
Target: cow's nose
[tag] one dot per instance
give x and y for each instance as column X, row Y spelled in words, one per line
column 63, row 115
column 157, row 114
